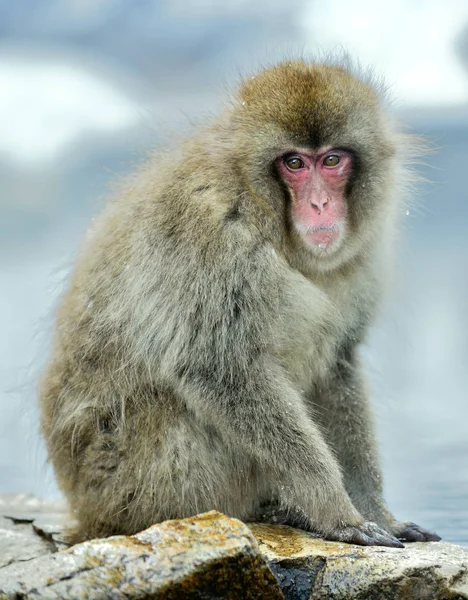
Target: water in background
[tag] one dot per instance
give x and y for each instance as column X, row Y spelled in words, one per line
column 53, row 179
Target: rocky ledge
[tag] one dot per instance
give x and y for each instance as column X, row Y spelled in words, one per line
column 212, row 556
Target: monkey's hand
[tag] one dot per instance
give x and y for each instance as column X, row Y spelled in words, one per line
column 410, row 532
column 366, row 534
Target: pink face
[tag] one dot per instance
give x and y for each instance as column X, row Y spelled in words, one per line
column 317, row 183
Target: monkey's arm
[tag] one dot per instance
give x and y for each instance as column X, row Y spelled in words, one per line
column 264, row 417
column 344, row 412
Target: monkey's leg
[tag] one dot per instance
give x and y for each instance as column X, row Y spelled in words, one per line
column 123, row 471
column 343, row 409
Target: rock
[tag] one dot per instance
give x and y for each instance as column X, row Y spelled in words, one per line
column 29, row 527
column 207, row 556
column 20, row 542
column 308, row 568
column 212, row 556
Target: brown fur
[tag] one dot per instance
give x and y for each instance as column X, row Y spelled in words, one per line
column 204, row 358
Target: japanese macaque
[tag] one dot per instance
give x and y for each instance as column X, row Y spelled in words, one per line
column 205, row 354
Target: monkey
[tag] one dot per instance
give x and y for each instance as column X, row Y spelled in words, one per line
column 206, row 350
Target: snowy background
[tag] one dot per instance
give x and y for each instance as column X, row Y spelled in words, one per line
column 87, row 85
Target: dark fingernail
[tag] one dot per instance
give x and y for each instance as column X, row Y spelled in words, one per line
column 413, row 535
column 372, row 542
column 391, row 542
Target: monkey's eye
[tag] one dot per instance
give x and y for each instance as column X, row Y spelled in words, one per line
column 294, row 163
column 331, row 160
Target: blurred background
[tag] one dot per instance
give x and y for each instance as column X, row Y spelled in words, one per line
column 86, row 86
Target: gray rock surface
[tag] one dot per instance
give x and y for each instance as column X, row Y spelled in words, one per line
column 212, row 556
column 207, row 556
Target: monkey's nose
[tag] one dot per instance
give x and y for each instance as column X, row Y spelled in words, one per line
column 319, row 202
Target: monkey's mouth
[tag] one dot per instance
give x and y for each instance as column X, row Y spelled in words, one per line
column 306, row 229
column 321, row 236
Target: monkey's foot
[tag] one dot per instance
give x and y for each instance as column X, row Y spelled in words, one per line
column 410, row 532
column 367, row 534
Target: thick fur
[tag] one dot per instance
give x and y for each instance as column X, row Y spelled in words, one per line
column 204, row 358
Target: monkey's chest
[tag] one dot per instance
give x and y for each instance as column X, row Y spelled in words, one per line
column 316, row 333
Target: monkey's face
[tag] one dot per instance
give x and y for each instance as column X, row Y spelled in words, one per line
column 316, row 183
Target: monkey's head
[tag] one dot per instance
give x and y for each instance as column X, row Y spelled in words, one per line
column 316, row 145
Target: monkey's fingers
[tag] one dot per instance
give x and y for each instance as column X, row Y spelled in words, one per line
column 368, row 534
column 410, row 532
column 380, row 534
column 388, row 540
